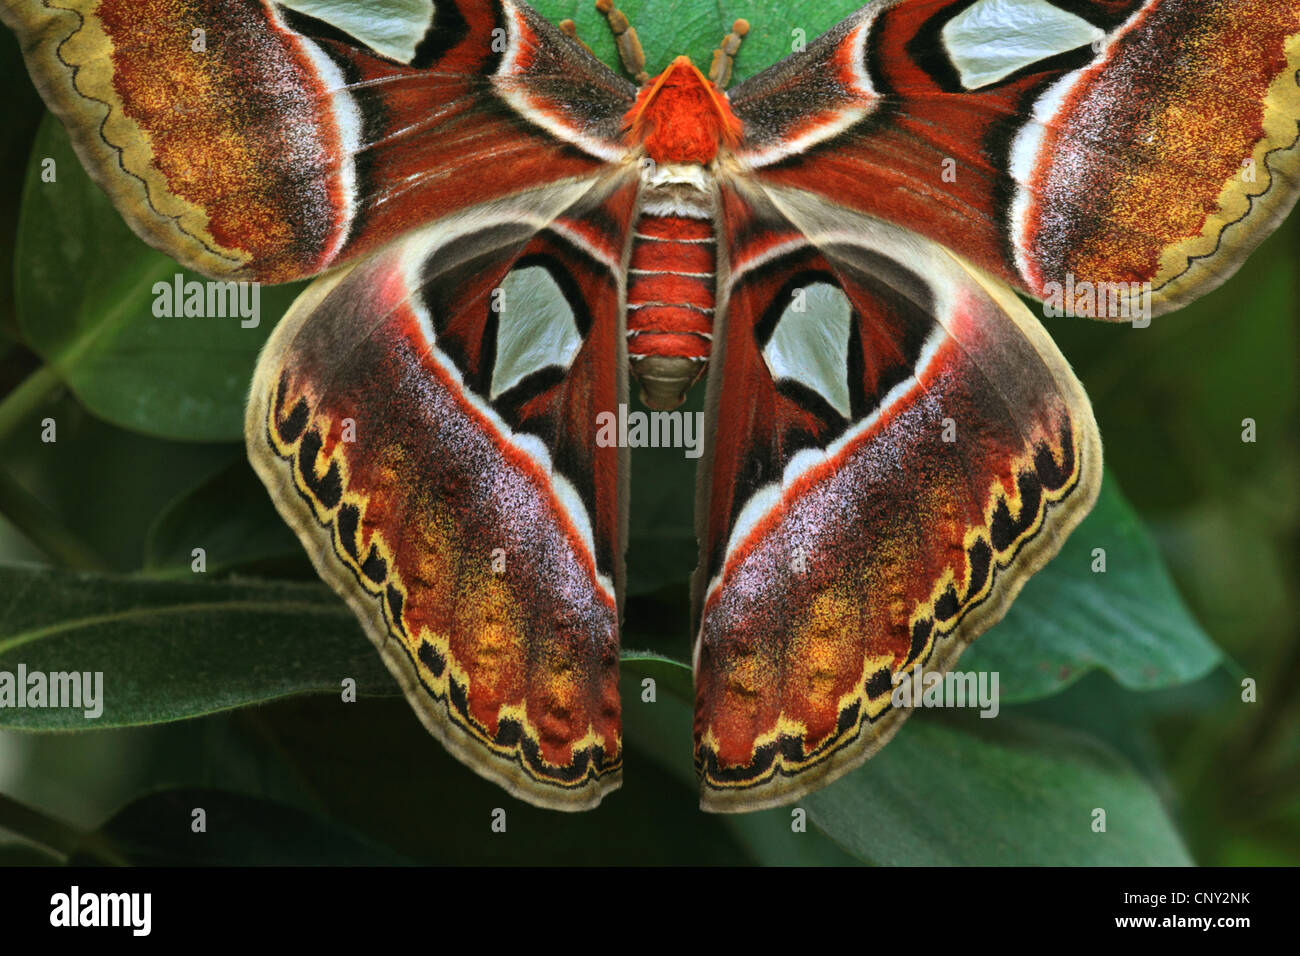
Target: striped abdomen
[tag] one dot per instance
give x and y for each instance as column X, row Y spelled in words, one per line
column 670, row 299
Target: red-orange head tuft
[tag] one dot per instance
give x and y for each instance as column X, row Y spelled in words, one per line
column 681, row 117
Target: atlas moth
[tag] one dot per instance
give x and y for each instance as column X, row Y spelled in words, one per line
column 505, row 229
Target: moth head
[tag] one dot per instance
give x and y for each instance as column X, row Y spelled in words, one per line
column 680, row 117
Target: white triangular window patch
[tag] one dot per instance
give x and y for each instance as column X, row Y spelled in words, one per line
column 810, row 344
column 393, row 34
column 535, row 327
column 994, row 38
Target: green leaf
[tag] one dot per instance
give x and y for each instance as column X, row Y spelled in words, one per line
column 671, row 28
column 231, row 517
column 961, row 791
column 23, row 112
column 103, row 483
column 1125, row 720
column 85, row 303
column 174, row 649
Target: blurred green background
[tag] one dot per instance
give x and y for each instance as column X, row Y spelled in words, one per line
column 1141, row 715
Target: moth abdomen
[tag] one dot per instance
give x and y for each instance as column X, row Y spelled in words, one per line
column 672, row 277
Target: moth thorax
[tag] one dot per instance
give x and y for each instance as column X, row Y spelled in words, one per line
column 672, row 275
column 681, row 117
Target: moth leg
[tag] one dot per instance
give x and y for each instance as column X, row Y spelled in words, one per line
column 725, row 55
column 570, row 29
column 625, row 38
